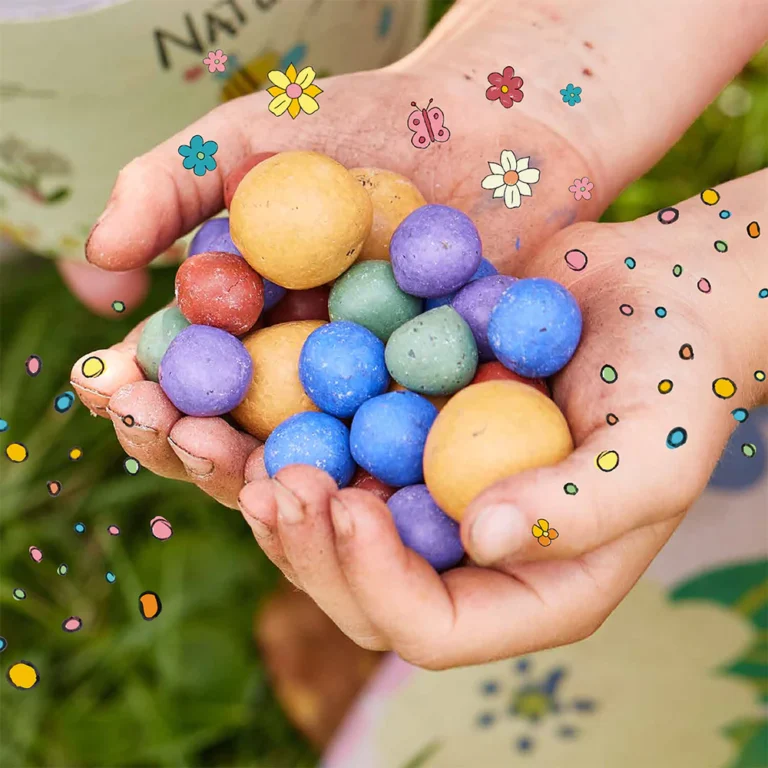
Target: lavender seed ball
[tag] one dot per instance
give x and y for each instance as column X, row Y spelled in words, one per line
column 435, row 250
column 205, row 371
column 474, row 302
column 425, row 528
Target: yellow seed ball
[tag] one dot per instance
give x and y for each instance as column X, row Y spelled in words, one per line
column 487, row 432
column 300, row 219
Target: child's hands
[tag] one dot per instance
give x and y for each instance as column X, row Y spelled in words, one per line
column 342, row 548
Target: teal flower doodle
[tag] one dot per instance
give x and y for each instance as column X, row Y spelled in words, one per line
column 198, row 155
column 571, row 94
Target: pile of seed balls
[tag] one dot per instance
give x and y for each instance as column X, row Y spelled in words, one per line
column 352, row 327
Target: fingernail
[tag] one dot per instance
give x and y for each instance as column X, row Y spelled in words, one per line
column 260, row 531
column 195, row 464
column 341, row 519
column 136, row 434
column 98, row 221
column 289, row 508
column 497, row 532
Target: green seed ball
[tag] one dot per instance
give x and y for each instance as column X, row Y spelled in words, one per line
column 161, row 329
column 433, row 354
column 368, row 295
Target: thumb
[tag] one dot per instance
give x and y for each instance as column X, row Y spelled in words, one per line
column 620, row 478
column 98, row 289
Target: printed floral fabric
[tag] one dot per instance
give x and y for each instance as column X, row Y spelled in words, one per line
column 675, row 678
column 68, row 130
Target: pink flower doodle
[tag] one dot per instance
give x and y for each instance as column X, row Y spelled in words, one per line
column 505, row 87
column 216, row 61
column 582, row 189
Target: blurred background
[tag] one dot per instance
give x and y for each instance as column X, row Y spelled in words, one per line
column 193, row 688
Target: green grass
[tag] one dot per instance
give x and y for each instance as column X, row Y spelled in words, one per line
column 188, row 689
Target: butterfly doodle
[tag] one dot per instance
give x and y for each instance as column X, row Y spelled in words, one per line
column 427, row 126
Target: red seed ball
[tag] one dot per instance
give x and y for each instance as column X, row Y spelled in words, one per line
column 239, row 172
column 311, row 304
column 221, row 290
column 366, row 482
column 495, row 370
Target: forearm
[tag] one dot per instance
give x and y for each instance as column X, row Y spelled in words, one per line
column 647, row 69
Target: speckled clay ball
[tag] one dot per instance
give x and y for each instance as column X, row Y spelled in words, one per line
column 488, row 432
column 221, row 290
column 368, row 294
column 205, row 371
column 474, row 303
column 160, row 330
column 388, row 435
column 213, row 236
column 425, row 528
column 495, row 371
column 275, row 392
column 535, row 327
column 232, row 182
column 300, row 219
column 315, row 439
column 311, row 304
column 341, row 366
column 434, row 251
column 433, row 354
column 393, row 198
column 486, row 269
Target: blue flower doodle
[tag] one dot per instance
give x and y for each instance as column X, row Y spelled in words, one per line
column 198, row 155
column 571, row 94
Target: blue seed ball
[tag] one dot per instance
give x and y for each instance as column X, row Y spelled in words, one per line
column 486, row 269
column 425, row 528
column 388, row 435
column 316, row 439
column 341, row 366
column 535, row 327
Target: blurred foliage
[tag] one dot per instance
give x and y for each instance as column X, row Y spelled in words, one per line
column 187, row 689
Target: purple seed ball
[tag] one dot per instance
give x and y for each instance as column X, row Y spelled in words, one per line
column 205, row 371
column 425, row 528
column 475, row 301
column 435, row 250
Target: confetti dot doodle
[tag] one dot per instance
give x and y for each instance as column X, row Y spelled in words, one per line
column 710, row 196
column 160, row 528
column 724, row 388
column 665, row 386
column 626, row 310
column 668, row 215
column 630, row 262
column 128, row 420
column 72, row 624
column 721, row 246
column 23, row 675
column 79, row 527
column 570, row 489
column 749, row 450
column 3, row 644
column 3, row 425
column 131, row 466
column 92, row 367
column 17, row 452
column 75, row 454
column 740, row 414
column 110, row 577
column 704, row 285
column 607, row 461
column 753, row 229
column 576, row 259
column 759, row 375
column 660, row 312
column 725, row 214
column 686, row 352
column 54, row 487
column 763, row 293
column 35, row 554
column 113, row 530
column 33, row 365
column 150, row 606
column 118, row 306
column 19, row 594
column 677, row 270
column 63, row 569
column 608, row 374
column 64, row 402
column 612, row 419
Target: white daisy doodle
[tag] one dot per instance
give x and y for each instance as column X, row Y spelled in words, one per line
column 512, row 179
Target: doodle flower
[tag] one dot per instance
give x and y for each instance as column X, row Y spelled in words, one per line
column 505, row 87
column 293, row 92
column 511, row 179
column 571, row 94
column 544, row 533
column 216, row 61
column 198, row 155
column 581, row 188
